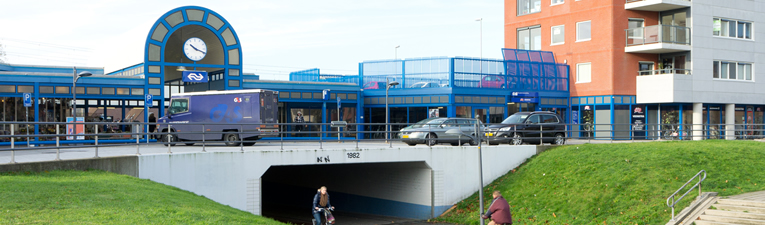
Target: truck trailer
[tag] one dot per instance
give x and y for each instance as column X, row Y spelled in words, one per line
column 234, row 117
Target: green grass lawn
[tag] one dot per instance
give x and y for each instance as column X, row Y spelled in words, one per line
column 98, row 197
column 619, row 183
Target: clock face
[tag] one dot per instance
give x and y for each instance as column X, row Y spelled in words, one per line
column 195, row 49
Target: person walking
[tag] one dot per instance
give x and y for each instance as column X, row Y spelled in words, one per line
column 499, row 211
column 299, row 119
column 320, row 200
column 152, row 125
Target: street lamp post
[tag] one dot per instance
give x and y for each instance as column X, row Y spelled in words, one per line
column 387, row 117
column 395, row 56
column 76, row 77
column 478, row 131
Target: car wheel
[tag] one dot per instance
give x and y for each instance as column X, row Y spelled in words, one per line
column 455, row 144
column 559, row 139
column 517, row 139
column 249, row 143
column 411, row 144
column 493, row 143
column 231, row 139
column 430, row 139
column 473, row 142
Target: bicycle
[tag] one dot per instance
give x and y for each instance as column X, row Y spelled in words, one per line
column 328, row 218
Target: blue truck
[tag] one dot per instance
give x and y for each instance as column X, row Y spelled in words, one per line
column 234, row 117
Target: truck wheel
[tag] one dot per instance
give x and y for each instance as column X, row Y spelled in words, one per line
column 231, row 139
column 250, row 143
column 170, row 138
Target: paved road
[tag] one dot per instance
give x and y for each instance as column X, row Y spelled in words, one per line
column 81, row 152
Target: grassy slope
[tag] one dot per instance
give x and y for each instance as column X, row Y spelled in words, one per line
column 97, row 197
column 619, row 183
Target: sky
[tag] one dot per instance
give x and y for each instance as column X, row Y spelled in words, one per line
column 277, row 36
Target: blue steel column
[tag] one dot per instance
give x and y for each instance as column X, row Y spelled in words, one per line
column 360, row 102
column 613, row 120
column 323, row 116
column 36, row 95
column 403, row 75
column 451, row 110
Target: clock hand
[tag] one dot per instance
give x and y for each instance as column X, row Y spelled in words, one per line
column 195, row 48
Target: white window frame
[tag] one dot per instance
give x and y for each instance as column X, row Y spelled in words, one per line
column 531, row 38
column 552, row 35
column 578, row 81
column 735, row 35
column 531, row 6
column 577, row 31
column 739, row 75
column 552, row 2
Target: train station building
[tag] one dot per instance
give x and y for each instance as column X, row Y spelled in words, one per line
column 487, row 89
column 533, row 75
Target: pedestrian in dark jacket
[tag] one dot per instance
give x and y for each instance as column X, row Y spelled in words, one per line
column 499, row 211
column 320, row 200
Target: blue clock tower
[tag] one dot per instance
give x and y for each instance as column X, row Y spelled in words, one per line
column 218, row 50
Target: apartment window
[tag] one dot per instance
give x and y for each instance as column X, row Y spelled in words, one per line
column 732, row 28
column 732, row 70
column 557, row 2
column 645, row 68
column 530, row 38
column 529, row 6
column 583, row 72
column 583, row 31
column 558, row 35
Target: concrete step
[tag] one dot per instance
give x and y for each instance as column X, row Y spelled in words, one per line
column 747, row 209
column 703, row 222
column 755, row 216
column 733, row 220
column 741, row 202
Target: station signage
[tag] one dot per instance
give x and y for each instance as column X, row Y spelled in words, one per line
column 195, row 76
column 525, row 94
column 525, row 100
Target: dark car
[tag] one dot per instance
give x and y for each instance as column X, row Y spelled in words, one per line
column 531, row 127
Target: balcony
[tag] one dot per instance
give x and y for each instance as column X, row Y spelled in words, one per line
column 664, row 86
column 656, row 5
column 658, row 39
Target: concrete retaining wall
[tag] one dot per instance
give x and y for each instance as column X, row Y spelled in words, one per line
column 127, row 165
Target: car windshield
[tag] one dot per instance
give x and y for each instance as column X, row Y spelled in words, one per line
column 429, row 122
column 515, row 118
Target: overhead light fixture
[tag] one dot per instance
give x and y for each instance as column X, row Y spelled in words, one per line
column 181, row 68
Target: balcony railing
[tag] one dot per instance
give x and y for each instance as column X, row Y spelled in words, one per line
column 659, row 34
column 664, row 71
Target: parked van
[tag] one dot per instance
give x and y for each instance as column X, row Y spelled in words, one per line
column 230, row 116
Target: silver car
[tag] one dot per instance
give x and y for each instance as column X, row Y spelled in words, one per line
column 431, row 131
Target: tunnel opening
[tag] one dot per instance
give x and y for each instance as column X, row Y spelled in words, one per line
column 383, row 191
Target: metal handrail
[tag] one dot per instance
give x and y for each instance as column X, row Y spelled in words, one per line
column 656, row 34
column 664, row 71
column 698, row 184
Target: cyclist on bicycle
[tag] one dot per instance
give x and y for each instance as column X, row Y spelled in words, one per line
column 320, row 200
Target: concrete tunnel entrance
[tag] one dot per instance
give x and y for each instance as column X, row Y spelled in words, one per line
column 400, row 189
